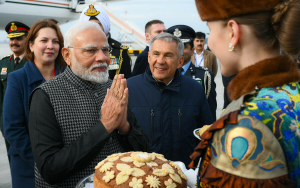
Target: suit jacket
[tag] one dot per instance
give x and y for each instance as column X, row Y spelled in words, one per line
column 199, row 72
column 7, row 62
column 121, row 52
column 210, row 61
column 141, row 62
column 15, row 118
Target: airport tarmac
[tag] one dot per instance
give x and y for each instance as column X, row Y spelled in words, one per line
column 5, row 178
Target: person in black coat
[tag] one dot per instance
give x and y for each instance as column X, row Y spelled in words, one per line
column 119, row 53
column 201, row 74
column 226, row 81
column 141, row 62
column 152, row 28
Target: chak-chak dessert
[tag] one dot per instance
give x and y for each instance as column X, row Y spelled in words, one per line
column 138, row 170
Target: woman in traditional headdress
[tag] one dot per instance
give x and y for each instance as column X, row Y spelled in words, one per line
column 256, row 141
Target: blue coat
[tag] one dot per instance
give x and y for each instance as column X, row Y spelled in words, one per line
column 169, row 114
column 20, row 84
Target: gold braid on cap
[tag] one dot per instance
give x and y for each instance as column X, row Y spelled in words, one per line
column 279, row 10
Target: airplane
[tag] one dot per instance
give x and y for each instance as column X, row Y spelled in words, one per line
column 64, row 11
column 30, row 11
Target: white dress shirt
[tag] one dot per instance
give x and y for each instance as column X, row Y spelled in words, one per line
column 199, row 59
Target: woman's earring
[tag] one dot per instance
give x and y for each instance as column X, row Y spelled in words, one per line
column 231, row 47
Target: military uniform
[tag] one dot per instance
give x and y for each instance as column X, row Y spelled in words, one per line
column 120, row 61
column 14, row 30
column 205, row 77
column 7, row 66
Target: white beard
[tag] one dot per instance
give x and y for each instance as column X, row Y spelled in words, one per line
column 87, row 74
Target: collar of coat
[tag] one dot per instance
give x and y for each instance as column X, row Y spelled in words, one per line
column 266, row 73
column 174, row 85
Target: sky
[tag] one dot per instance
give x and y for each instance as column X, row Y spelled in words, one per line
column 139, row 12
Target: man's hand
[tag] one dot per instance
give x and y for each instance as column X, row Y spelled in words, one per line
column 115, row 104
column 124, row 125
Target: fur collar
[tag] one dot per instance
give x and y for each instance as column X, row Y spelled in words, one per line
column 266, row 73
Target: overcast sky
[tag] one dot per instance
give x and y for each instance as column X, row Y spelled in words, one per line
column 139, row 12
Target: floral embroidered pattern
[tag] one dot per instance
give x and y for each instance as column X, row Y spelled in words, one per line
column 278, row 108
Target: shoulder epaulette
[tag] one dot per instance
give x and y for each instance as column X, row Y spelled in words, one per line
column 114, row 44
column 125, row 47
column 7, row 56
column 203, row 68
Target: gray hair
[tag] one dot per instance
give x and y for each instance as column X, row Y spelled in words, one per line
column 167, row 37
column 78, row 28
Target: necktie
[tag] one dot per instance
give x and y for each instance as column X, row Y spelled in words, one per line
column 17, row 61
column 181, row 70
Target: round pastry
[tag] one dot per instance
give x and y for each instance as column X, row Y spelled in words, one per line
column 138, row 170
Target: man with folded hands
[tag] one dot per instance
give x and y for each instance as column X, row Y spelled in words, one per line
column 80, row 117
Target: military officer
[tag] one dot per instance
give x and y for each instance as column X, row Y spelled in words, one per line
column 17, row 33
column 119, row 55
column 201, row 74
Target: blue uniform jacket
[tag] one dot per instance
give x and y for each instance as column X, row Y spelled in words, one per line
column 141, row 62
column 169, row 114
column 15, row 117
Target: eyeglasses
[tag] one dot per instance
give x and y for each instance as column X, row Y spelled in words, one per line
column 91, row 51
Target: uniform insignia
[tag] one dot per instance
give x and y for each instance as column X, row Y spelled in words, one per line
column 114, row 63
column 5, row 57
column 113, row 43
column 177, row 33
column 13, row 27
column 198, row 80
column 4, row 71
column 91, row 11
column 124, row 47
column 185, row 40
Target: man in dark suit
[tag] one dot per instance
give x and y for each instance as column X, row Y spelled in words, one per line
column 120, row 61
column 201, row 74
column 152, row 28
column 17, row 33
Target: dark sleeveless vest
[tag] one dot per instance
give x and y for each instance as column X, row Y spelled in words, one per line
column 77, row 105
